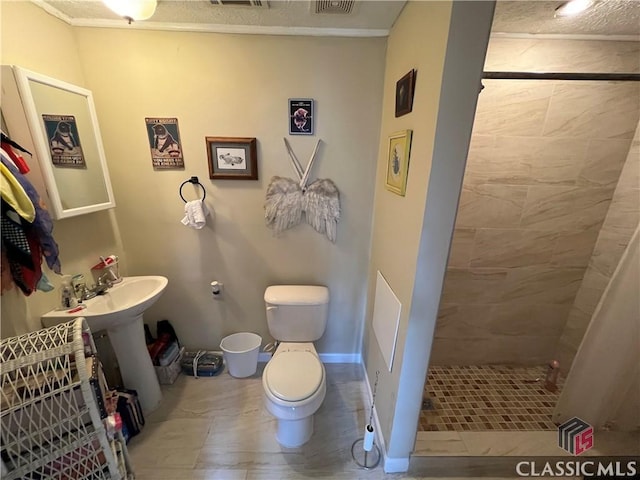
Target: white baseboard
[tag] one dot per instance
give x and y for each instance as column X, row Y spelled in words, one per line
column 341, row 358
column 391, row 465
column 395, row 465
column 325, row 357
column 376, row 421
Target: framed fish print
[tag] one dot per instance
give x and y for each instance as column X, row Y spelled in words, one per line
column 232, row 158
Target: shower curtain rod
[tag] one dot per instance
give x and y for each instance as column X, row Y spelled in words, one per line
column 624, row 77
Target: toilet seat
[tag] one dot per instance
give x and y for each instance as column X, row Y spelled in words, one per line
column 293, row 376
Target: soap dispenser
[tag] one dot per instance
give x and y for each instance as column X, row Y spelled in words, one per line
column 67, row 296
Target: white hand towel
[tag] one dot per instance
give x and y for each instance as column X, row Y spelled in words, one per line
column 195, row 213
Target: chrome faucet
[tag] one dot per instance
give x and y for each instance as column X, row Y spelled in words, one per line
column 103, row 284
column 83, row 292
column 80, row 289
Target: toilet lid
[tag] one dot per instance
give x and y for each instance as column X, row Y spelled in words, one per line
column 294, row 376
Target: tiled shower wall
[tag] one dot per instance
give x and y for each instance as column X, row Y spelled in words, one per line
column 619, row 225
column 543, row 165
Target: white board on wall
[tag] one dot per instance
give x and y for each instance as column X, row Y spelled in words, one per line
column 386, row 318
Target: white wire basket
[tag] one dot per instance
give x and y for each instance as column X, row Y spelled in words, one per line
column 50, row 425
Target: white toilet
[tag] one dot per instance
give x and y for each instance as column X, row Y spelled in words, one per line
column 294, row 380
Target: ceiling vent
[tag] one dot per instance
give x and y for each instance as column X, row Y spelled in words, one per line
column 334, row 6
column 242, row 3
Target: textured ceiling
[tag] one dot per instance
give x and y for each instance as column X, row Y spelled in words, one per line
column 369, row 15
column 608, row 17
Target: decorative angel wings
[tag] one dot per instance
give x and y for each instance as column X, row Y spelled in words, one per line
column 287, row 200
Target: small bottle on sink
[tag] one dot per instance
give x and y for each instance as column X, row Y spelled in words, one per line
column 67, row 296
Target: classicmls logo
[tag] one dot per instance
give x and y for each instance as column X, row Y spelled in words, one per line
column 575, row 436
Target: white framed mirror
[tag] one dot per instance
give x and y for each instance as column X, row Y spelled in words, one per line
column 66, row 136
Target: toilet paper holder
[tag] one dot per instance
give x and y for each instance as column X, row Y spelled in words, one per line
column 368, row 456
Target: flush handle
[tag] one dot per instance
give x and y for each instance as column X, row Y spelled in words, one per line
column 272, row 307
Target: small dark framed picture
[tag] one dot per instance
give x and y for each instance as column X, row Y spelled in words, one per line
column 404, row 93
column 232, row 158
column 301, row 116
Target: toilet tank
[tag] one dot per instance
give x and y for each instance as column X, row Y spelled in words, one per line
column 297, row 313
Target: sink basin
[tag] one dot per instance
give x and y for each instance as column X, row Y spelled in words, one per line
column 122, row 303
column 119, row 311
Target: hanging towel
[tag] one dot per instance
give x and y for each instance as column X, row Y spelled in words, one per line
column 14, row 195
column 6, row 157
column 14, row 237
column 42, row 223
column 16, row 158
column 195, row 214
column 10, row 147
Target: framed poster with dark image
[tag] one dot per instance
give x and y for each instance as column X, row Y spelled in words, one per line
column 301, row 119
column 232, row 158
column 164, row 141
column 404, row 93
column 64, row 141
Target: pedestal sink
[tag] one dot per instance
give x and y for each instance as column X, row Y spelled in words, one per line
column 119, row 312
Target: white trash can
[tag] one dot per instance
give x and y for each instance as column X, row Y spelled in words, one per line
column 241, row 353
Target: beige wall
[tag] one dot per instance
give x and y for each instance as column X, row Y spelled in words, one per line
column 446, row 43
column 238, row 86
column 418, row 40
column 543, row 164
column 227, row 85
column 28, row 35
column 621, row 221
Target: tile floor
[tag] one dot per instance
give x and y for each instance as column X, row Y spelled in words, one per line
column 216, row 428
column 487, row 397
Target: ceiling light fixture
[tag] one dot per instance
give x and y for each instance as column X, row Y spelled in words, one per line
column 573, row 7
column 132, row 9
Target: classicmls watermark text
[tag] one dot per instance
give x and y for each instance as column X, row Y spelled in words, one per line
column 573, row 468
column 575, row 436
column 538, row 467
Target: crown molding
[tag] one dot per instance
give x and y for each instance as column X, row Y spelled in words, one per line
column 562, row 36
column 234, row 29
column 51, row 10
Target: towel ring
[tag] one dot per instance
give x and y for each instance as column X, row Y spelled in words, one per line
column 195, row 181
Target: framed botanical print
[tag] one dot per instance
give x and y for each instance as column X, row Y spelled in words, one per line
column 398, row 161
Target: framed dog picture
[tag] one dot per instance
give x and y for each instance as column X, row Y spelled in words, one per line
column 164, row 141
column 232, row 158
column 404, row 93
column 301, row 116
column 398, row 162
